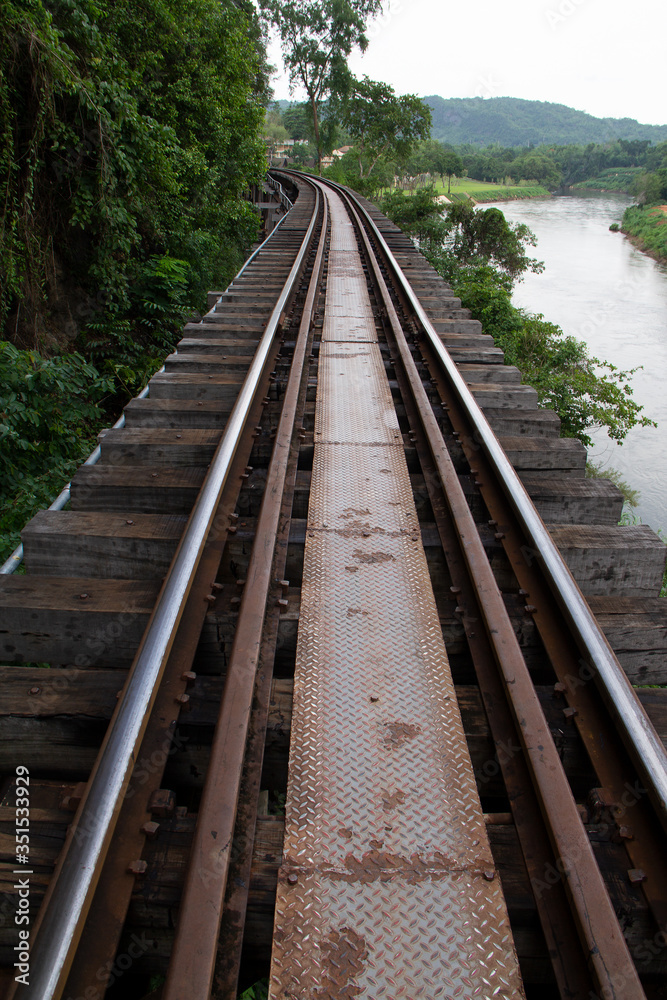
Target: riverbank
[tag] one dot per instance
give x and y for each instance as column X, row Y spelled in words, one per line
column 510, row 194
column 616, row 302
column 616, row 179
column 646, row 228
column 480, row 192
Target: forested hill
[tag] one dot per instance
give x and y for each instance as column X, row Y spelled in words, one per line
column 511, row 121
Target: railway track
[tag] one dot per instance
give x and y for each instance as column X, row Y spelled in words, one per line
column 309, row 499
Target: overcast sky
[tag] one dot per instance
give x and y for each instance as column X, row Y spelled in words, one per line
column 605, row 57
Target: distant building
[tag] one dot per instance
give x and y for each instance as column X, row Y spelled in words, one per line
column 278, row 152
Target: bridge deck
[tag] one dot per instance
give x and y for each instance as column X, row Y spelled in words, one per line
column 388, row 884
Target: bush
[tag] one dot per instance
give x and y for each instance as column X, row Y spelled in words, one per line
column 649, row 227
column 50, row 411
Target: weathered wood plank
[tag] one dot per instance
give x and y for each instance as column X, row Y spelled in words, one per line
column 570, row 500
column 179, row 385
column 160, row 446
column 74, row 543
column 628, row 560
column 511, row 397
column 176, row 413
column 637, row 631
column 526, row 453
column 514, row 423
column 46, row 619
column 148, row 489
column 218, row 327
column 221, row 347
column 191, row 362
column 497, row 374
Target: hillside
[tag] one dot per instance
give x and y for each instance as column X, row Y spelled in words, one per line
column 511, row 121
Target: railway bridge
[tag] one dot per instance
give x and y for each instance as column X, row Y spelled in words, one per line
column 331, row 668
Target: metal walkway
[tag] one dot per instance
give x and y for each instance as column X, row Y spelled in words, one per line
column 388, row 888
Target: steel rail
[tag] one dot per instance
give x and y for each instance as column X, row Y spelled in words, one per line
column 73, row 886
column 594, row 916
column 192, row 962
column 637, row 731
column 13, row 562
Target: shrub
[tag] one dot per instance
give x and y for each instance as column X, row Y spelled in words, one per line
column 50, row 411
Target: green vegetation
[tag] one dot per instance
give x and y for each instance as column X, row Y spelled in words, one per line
column 646, row 222
column 611, row 179
column 379, row 122
column 648, row 226
column 129, row 132
column 481, row 255
column 511, row 121
column 482, row 191
column 258, row 991
column 50, row 410
column 317, row 36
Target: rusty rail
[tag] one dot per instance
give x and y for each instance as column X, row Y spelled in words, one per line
column 192, row 962
column 77, row 875
column 634, row 725
column 594, row 915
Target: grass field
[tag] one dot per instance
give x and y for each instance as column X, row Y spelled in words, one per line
column 483, row 191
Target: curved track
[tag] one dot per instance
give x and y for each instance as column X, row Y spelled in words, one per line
column 179, row 567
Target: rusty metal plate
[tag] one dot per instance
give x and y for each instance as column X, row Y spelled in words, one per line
column 370, row 503
column 387, row 888
column 354, row 372
column 375, row 724
column 348, row 315
column 397, row 936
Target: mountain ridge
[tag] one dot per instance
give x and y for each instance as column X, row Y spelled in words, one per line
column 514, row 121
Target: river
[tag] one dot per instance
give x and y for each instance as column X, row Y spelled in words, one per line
column 600, row 289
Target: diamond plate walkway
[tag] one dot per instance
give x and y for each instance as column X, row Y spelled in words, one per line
column 387, row 890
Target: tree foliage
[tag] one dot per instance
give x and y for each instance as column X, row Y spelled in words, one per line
column 49, row 410
column 486, row 234
column 129, row 133
column 381, row 123
column 128, row 130
column 317, row 36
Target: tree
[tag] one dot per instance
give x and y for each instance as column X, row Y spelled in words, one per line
column 450, row 163
column 129, row 130
column 298, row 122
column 380, row 122
column 436, row 158
column 537, row 168
column 486, row 235
column 274, row 130
column 317, row 36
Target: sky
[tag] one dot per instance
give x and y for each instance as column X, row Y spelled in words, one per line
column 605, row 57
